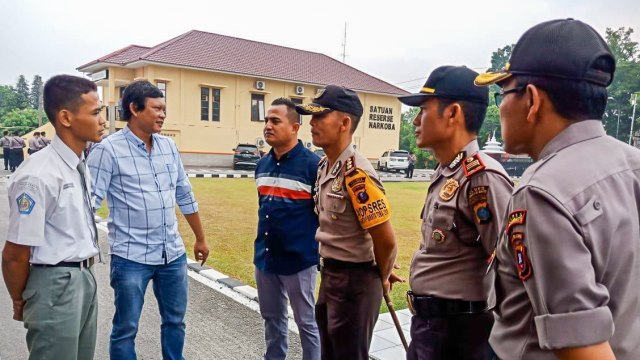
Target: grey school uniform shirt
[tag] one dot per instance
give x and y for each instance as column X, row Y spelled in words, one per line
column 568, row 264
column 461, row 219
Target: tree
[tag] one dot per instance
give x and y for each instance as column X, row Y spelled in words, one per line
column 500, row 57
column 626, row 81
column 36, row 90
column 22, row 120
column 8, row 100
column 22, row 92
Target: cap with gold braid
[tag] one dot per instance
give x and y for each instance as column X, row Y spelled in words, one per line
column 450, row 82
column 563, row 49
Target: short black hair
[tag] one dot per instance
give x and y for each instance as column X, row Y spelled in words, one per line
column 292, row 114
column 42, row 133
column 473, row 112
column 65, row 92
column 137, row 92
column 36, row 133
column 573, row 100
column 6, row 132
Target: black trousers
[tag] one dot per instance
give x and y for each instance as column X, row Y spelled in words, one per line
column 17, row 157
column 347, row 311
column 410, row 171
column 458, row 337
column 6, row 154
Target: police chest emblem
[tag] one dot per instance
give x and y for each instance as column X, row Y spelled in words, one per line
column 449, row 189
column 25, row 204
column 336, row 185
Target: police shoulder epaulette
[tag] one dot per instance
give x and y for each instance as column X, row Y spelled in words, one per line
column 350, row 166
column 473, row 165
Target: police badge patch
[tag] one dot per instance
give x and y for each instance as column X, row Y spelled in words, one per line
column 25, row 204
column 479, row 202
column 449, row 189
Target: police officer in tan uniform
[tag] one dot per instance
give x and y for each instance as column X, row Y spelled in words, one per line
column 568, row 262
column 461, row 219
column 357, row 243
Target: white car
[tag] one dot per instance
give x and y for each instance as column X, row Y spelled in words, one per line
column 391, row 160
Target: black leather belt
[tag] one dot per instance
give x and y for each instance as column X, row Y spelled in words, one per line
column 427, row 306
column 339, row 264
column 86, row 263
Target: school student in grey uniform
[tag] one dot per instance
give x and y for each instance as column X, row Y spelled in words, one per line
column 52, row 241
column 6, row 149
column 568, row 262
column 461, row 219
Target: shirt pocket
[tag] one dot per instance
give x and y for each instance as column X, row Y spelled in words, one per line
column 440, row 234
column 335, row 205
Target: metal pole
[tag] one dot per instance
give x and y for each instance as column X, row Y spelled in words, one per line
column 633, row 116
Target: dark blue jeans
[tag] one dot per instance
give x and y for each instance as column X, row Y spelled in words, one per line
column 129, row 281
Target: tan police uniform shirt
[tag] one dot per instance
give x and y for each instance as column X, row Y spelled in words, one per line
column 48, row 209
column 568, row 264
column 349, row 199
column 461, row 220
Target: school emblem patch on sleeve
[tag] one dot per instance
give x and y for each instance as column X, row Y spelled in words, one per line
column 25, row 204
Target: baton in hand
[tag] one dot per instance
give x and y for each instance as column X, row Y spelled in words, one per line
column 396, row 322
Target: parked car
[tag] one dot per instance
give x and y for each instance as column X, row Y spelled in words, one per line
column 319, row 152
column 391, row 160
column 245, row 155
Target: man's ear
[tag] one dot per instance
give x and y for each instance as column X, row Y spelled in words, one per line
column 534, row 102
column 296, row 126
column 133, row 109
column 346, row 123
column 64, row 118
column 453, row 113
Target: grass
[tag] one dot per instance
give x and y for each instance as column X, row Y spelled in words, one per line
column 228, row 210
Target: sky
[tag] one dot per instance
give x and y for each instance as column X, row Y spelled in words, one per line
column 399, row 41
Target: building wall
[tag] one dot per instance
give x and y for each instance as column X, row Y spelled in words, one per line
column 212, row 142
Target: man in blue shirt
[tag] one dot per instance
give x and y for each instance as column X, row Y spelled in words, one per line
column 286, row 252
column 141, row 174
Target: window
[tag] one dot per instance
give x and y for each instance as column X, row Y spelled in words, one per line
column 257, row 107
column 298, row 101
column 163, row 88
column 215, row 104
column 209, row 99
column 204, row 104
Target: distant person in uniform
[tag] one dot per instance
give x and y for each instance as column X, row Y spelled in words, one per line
column 17, row 152
column 412, row 165
column 357, row 242
column 286, row 252
column 140, row 173
column 568, row 262
column 33, row 143
column 43, row 140
column 5, row 141
column 461, row 219
column 52, row 241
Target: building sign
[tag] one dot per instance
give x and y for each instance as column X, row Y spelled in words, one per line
column 100, row 75
column 381, row 117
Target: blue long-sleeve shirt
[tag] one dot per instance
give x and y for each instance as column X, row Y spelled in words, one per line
column 285, row 243
column 142, row 190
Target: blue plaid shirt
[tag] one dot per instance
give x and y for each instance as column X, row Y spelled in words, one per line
column 142, row 191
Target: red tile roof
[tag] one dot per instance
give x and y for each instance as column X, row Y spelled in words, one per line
column 216, row 52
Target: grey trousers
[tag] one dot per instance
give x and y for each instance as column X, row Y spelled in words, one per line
column 61, row 313
column 272, row 294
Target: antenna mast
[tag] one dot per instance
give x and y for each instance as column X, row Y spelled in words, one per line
column 344, row 43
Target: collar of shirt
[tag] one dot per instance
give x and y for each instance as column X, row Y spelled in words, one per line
column 68, row 156
column 129, row 135
column 469, row 149
column 575, row 133
column 327, row 173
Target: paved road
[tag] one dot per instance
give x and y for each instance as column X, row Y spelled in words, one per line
column 217, row 326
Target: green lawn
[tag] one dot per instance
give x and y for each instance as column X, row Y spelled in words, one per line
column 228, row 209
